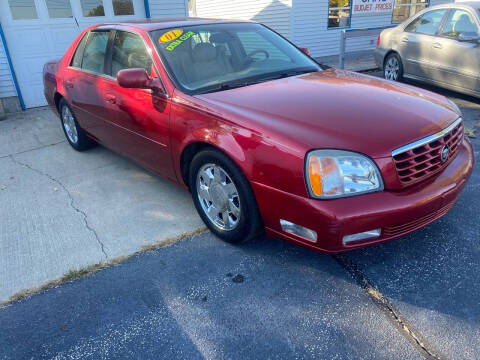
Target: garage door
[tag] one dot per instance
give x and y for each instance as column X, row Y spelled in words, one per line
column 40, row 30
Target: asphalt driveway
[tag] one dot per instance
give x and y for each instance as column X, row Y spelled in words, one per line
column 415, row 297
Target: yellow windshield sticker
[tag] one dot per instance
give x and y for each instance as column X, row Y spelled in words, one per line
column 180, row 40
column 170, row 35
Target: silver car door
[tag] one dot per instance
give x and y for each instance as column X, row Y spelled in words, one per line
column 455, row 52
column 417, row 41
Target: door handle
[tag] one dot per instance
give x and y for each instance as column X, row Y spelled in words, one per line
column 405, row 40
column 110, row 98
column 437, row 45
column 68, row 84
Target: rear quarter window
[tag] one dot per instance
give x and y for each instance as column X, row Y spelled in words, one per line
column 77, row 57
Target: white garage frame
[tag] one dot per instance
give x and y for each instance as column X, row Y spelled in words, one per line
column 30, row 43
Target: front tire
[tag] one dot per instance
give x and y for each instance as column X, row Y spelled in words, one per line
column 73, row 132
column 393, row 67
column 223, row 197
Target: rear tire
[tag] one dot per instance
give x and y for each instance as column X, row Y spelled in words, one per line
column 393, row 67
column 223, row 197
column 75, row 135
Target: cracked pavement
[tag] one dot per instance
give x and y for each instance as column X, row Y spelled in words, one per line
column 411, row 298
column 62, row 210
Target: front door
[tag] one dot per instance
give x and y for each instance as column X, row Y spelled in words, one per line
column 457, row 62
column 417, row 40
column 138, row 119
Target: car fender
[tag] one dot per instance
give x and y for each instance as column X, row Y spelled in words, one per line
column 265, row 160
column 191, row 125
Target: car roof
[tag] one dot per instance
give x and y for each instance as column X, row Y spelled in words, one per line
column 156, row 24
column 472, row 4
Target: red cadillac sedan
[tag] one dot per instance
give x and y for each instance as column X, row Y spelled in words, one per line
column 266, row 139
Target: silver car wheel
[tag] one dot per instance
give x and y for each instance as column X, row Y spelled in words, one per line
column 69, row 125
column 218, row 197
column 392, row 68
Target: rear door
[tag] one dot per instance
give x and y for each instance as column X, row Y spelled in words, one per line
column 416, row 42
column 138, row 119
column 85, row 81
column 456, row 62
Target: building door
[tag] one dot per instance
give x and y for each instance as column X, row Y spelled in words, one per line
column 40, row 30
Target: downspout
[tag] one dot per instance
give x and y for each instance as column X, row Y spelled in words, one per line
column 147, row 9
column 12, row 71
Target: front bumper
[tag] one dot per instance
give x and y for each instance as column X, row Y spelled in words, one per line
column 396, row 212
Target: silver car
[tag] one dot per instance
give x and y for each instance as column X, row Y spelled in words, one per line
column 439, row 45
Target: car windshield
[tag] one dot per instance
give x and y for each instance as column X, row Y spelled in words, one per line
column 216, row 57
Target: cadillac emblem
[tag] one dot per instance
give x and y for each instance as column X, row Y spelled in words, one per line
column 444, row 154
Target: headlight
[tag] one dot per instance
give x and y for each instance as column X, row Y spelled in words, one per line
column 338, row 173
column 455, row 106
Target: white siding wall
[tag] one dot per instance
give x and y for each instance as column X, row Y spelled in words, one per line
column 160, row 9
column 309, row 28
column 6, row 82
column 273, row 13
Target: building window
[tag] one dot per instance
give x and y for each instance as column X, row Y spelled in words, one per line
column 338, row 13
column 59, row 8
column 404, row 9
column 123, row 7
column 23, row 9
column 92, row 8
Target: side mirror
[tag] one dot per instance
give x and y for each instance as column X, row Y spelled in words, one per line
column 468, row 37
column 137, row 78
column 305, row 50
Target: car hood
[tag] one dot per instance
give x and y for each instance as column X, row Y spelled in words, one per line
column 336, row 109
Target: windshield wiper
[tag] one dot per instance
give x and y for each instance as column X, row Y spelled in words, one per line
column 285, row 74
column 228, row 86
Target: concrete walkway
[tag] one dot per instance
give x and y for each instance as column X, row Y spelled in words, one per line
column 62, row 210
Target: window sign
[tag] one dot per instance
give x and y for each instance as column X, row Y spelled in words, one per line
column 372, row 7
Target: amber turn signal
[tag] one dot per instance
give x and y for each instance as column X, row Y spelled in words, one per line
column 315, row 175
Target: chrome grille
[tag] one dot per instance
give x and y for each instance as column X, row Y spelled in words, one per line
column 423, row 158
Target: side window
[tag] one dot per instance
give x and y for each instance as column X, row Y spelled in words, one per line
column 94, row 53
column 123, row 7
column 338, row 13
column 77, row 58
column 427, row 23
column 23, row 9
column 58, row 9
column 459, row 22
column 404, row 9
column 92, row 8
column 129, row 51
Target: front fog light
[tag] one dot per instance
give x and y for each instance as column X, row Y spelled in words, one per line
column 298, row 230
column 361, row 236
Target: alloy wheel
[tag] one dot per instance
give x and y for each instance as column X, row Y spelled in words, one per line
column 392, row 68
column 218, row 197
column 69, row 124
